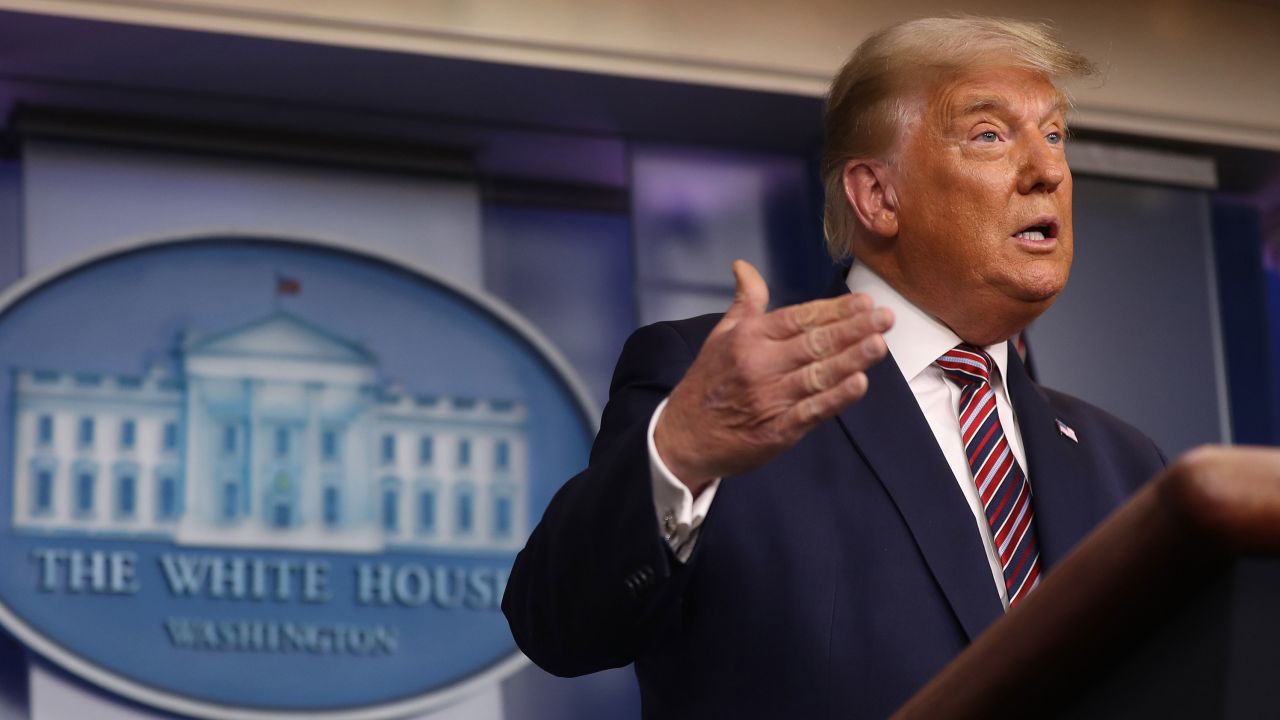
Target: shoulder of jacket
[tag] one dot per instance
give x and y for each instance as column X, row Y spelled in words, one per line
column 692, row 331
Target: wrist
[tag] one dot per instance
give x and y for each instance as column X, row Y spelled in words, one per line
column 670, row 441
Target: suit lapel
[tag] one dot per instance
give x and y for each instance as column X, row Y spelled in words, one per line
column 893, row 437
column 1065, row 507
column 890, row 433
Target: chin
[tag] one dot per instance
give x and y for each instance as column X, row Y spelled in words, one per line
column 1039, row 294
column 1040, row 287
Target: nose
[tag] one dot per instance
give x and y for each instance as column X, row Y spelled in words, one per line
column 1043, row 168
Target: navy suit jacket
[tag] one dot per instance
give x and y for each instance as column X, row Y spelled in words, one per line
column 832, row 582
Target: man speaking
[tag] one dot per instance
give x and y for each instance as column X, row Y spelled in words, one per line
column 807, row 512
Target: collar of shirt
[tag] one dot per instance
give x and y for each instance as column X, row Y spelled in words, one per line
column 916, row 339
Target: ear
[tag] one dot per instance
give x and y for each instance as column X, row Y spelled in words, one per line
column 869, row 189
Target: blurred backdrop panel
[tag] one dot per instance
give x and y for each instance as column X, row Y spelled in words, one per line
column 1247, row 317
column 696, row 210
column 571, row 273
column 10, row 221
column 1137, row 329
column 80, row 196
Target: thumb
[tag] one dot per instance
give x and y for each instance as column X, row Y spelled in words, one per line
column 751, row 296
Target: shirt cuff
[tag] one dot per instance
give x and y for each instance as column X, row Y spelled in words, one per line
column 679, row 513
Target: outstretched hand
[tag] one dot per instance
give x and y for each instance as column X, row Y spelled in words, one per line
column 764, row 379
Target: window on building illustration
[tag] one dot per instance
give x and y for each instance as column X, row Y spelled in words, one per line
column 390, row 508
column 502, row 516
column 388, row 449
column 464, row 453
column 280, row 508
column 332, row 498
column 426, row 449
column 86, row 432
column 167, row 507
column 465, row 509
column 427, row 510
column 229, row 439
column 329, row 445
column 230, row 500
column 128, row 431
column 171, row 436
column 282, row 514
column 282, row 442
column 502, row 455
column 126, row 495
column 84, row 492
column 42, row 498
column 44, row 430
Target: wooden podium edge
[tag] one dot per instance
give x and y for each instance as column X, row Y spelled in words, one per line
column 1212, row 505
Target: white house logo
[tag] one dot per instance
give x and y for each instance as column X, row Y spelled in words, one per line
column 251, row 503
column 276, row 434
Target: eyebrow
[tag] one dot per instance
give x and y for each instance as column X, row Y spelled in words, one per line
column 985, row 104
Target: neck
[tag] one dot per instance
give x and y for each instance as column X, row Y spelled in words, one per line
column 980, row 320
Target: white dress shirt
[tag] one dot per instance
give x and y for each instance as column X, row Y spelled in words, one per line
column 915, row 341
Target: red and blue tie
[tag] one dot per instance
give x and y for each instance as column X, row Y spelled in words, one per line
column 1005, row 492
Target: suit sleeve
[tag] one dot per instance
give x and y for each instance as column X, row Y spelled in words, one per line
column 595, row 576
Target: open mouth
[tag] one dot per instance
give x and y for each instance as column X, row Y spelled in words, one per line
column 1041, row 229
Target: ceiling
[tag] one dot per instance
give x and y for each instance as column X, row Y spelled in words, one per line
column 499, row 111
column 512, row 121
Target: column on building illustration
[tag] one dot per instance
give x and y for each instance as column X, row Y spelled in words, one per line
column 502, row 490
column 125, row 472
column 43, row 462
column 427, row 501
column 464, row 488
column 389, row 485
column 167, row 474
column 218, row 434
column 334, row 449
column 277, row 480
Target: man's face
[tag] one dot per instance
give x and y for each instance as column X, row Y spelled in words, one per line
column 984, row 203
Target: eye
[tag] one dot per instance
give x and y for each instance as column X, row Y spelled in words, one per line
column 989, row 136
column 1054, row 138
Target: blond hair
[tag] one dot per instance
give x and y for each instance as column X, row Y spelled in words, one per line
column 871, row 98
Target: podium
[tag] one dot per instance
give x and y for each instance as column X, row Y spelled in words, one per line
column 1170, row 608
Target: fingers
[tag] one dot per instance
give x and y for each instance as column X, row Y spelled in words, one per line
column 818, row 376
column 795, row 319
column 822, row 342
column 751, row 294
column 824, row 405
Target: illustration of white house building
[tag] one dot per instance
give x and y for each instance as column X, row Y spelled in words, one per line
column 274, row 434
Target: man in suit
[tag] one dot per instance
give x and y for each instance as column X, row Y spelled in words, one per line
column 807, row 512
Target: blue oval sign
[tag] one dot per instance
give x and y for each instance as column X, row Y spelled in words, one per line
column 250, row 477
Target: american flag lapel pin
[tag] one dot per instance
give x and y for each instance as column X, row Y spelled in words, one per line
column 1066, row 430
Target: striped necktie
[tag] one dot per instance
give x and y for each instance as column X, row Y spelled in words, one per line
column 1002, row 486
